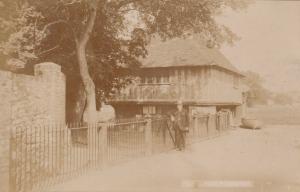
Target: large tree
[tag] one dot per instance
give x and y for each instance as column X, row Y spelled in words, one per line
column 97, row 42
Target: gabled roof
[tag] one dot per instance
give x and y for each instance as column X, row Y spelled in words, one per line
column 185, row 52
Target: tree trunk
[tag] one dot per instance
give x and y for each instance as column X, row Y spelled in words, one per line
column 76, row 99
column 90, row 112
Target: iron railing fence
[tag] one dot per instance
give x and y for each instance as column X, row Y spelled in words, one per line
column 126, row 140
column 42, row 154
column 46, row 154
column 163, row 135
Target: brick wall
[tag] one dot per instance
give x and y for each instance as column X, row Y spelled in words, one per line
column 27, row 101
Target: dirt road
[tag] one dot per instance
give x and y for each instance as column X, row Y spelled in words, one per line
column 244, row 160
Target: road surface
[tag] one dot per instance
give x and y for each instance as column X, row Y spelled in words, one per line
column 243, row 160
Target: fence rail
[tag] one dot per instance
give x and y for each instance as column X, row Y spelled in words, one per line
column 43, row 155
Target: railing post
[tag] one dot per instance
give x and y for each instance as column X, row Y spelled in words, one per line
column 148, row 137
column 102, row 136
column 12, row 161
column 91, row 143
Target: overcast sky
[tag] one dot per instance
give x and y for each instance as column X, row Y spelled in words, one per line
column 270, row 42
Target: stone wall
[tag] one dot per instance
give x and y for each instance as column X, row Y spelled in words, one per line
column 28, row 101
column 5, row 120
column 40, row 97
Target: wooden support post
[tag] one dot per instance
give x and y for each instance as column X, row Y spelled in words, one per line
column 196, row 126
column 217, row 124
column 165, row 132
column 148, row 137
column 208, row 124
column 238, row 115
column 228, row 121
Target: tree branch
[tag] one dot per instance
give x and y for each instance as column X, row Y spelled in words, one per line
column 49, row 50
column 34, row 34
column 90, row 24
column 125, row 2
column 72, row 2
column 54, row 23
column 127, row 10
column 60, row 22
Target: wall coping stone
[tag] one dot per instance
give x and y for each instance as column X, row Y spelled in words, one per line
column 46, row 68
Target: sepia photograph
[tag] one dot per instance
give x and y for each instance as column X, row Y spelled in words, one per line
column 149, row 95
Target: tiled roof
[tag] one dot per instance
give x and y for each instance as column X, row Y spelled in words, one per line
column 185, row 52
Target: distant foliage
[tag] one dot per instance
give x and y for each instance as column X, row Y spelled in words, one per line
column 257, row 93
column 260, row 95
column 283, row 99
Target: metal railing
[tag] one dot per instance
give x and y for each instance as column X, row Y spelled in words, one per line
column 126, row 140
column 162, row 135
column 43, row 155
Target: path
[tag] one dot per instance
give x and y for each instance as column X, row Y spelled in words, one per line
column 245, row 160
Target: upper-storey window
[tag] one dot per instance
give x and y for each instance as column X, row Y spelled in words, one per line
column 163, row 79
column 155, row 79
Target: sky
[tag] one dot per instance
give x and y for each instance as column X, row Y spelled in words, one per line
column 270, row 42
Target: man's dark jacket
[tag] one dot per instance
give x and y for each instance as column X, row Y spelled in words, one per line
column 182, row 119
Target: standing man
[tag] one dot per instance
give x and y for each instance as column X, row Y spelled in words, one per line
column 180, row 126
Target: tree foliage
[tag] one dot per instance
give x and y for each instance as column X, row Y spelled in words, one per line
column 112, row 42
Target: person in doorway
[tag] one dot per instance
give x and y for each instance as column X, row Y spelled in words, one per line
column 180, row 126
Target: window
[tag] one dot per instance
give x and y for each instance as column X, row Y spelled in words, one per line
column 155, row 79
column 149, row 110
